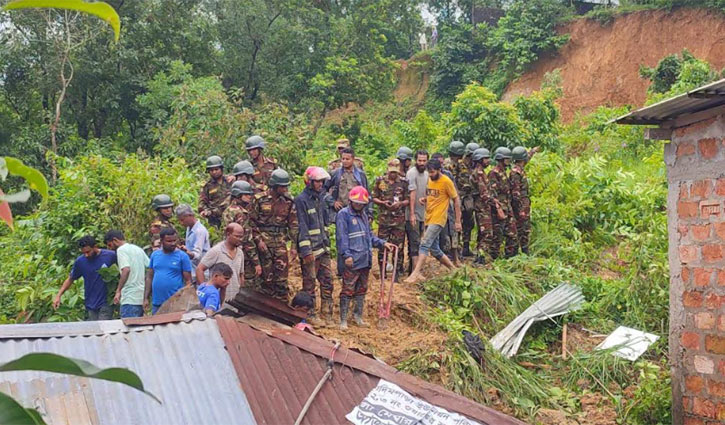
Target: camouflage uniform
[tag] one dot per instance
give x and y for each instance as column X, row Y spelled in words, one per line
column 502, row 228
column 449, row 236
column 238, row 213
column 483, row 205
column 213, row 199
column 521, row 205
column 262, row 172
column 391, row 223
column 275, row 221
column 157, row 225
column 466, row 190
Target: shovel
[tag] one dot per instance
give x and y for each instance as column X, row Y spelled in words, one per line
column 384, row 306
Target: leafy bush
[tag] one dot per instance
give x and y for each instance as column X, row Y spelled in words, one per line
column 540, row 117
column 674, row 75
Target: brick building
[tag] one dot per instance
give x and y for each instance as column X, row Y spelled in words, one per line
column 694, row 124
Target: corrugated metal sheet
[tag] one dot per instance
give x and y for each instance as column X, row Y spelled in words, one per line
column 279, row 367
column 700, row 99
column 183, row 363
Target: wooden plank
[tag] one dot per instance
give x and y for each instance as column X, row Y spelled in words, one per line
column 658, row 134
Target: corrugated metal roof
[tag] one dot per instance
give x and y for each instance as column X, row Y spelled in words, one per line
column 279, row 367
column 700, row 99
column 182, row 363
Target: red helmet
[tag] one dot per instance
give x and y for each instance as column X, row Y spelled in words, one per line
column 359, row 195
column 315, row 173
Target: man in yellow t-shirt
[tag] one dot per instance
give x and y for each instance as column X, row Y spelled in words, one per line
column 439, row 193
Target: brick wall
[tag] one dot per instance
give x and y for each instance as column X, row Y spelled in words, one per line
column 696, row 221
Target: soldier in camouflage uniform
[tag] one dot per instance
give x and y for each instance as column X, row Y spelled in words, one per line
column 314, row 242
column 483, row 205
column 466, row 191
column 405, row 156
column 244, row 171
column 238, row 212
column 215, row 192
column 504, row 223
column 390, row 194
column 520, row 201
column 164, row 210
column 263, row 165
column 337, row 163
column 274, row 219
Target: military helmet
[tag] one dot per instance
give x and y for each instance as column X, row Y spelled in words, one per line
column 502, row 152
column 404, row 153
column 161, row 201
column 279, row 177
column 240, row 188
column 214, row 161
column 457, row 148
column 343, row 143
column 471, row 147
column 254, row 142
column 243, row 167
column 481, row 153
column 519, row 154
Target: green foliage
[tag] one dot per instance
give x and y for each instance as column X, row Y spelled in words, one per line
column 540, row 118
column 675, row 75
column 652, row 400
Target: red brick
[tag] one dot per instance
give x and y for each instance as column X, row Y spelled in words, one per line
column 720, row 412
column 720, row 186
column 713, row 301
column 721, row 277
column 721, row 327
column 703, row 407
column 688, row 253
column 692, row 299
column 687, row 209
column 701, row 188
column 715, row 344
column 712, row 253
column 708, row 148
column 721, row 368
column 700, row 125
column 684, row 149
column 704, row 365
column 685, row 274
column 702, row 276
column 687, row 404
column 704, row 320
column 693, row 421
column 716, row 388
column 690, row 340
column 684, row 192
column 700, row 233
column 720, row 230
column 694, row 384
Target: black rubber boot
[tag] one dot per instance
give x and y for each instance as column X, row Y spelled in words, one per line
column 358, row 312
column 344, row 307
column 467, row 251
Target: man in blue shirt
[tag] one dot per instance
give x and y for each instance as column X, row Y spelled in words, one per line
column 208, row 293
column 94, row 287
column 196, row 243
column 169, row 271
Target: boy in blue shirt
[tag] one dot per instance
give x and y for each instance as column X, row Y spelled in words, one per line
column 169, row 271
column 208, row 292
column 94, row 287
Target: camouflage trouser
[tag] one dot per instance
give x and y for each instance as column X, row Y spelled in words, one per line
column 485, row 240
column 504, row 229
column 251, row 280
column 317, row 271
column 275, row 266
column 354, row 282
column 468, row 224
column 396, row 236
column 523, row 227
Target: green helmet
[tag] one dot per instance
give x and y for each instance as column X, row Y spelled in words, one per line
column 481, row 153
column 254, row 142
column 243, row 167
column 471, row 147
column 279, row 177
column 519, row 154
column 404, row 153
column 241, row 188
column 457, row 148
column 214, row 161
column 161, row 201
column 502, row 152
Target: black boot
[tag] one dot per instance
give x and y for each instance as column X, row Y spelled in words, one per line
column 480, row 260
column 358, row 312
column 344, row 307
column 467, row 251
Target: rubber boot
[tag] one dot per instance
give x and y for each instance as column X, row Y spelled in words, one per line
column 358, row 313
column 326, row 311
column 467, row 251
column 481, row 260
column 314, row 320
column 344, row 307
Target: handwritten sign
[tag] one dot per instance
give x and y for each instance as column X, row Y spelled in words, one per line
column 708, row 208
column 388, row 404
